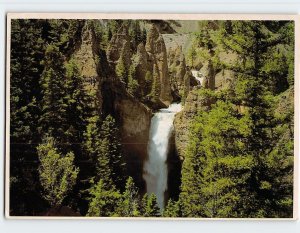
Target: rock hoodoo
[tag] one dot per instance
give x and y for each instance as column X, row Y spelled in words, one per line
column 156, row 49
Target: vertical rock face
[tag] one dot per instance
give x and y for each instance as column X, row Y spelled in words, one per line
column 142, row 65
column 181, row 72
column 193, row 104
column 119, row 42
column 134, row 119
column 155, row 47
column 86, row 59
column 208, row 72
column 132, row 115
column 182, row 79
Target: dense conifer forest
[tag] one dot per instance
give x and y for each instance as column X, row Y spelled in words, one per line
column 82, row 96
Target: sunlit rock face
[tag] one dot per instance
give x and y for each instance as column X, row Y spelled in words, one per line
column 156, row 49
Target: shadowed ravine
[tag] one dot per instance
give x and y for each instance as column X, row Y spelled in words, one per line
column 155, row 168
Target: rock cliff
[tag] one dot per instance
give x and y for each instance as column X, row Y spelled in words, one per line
column 98, row 69
column 182, row 79
column 86, row 58
column 119, row 42
column 194, row 103
column 156, row 49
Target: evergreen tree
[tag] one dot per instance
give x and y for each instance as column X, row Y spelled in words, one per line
column 104, row 149
column 136, row 34
column 121, row 70
column 103, row 200
column 129, row 207
column 218, row 164
column 53, row 120
column 262, row 73
column 173, row 209
column 98, row 151
column 57, row 172
column 133, row 85
column 148, row 81
column 149, row 206
column 111, row 138
column 76, row 103
column 27, row 51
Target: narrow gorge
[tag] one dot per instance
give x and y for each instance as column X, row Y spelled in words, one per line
column 151, row 118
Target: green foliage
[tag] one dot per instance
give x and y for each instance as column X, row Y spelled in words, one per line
column 103, row 200
column 98, row 150
column 133, row 85
column 62, row 33
column 231, row 166
column 148, row 81
column 104, row 150
column 218, row 163
column 111, row 137
column 150, row 207
column 76, row 101
column 265, row 53
column 121, row 70
column 129, row 206
column 191, row 56
column 240, row 157
column 57, row 172
column 173, row 209
column 137, row 35
column 53, row 105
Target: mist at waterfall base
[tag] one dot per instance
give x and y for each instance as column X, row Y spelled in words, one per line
column 155, row 168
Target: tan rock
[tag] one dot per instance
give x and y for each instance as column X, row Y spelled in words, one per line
column 209, row 75
column 193, row 104
column 223, row 79
column 155, row 47
column 117, row 43
column 87, row 63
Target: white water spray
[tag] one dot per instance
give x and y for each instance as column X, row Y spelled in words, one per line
column 155, row 168
column 198, row 76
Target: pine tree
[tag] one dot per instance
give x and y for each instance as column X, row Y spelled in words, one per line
column 262, row 71
column 149, row 206
column 53, row 104
column 218, row 165
column 148, row 81
column 27, row 51
column 133, row 85
column 155, row 89
column 98, row 151
column 121, row 70
column 103, row 200
column 111, row 138
column 76, row 103
column 57, row 172
column 104, row 149
column 129, row 207
column 173, row 209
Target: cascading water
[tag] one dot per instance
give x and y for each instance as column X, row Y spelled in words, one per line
column 155, row 168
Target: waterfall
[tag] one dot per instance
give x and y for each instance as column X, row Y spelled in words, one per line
column 198, row 76
column 155, row 168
